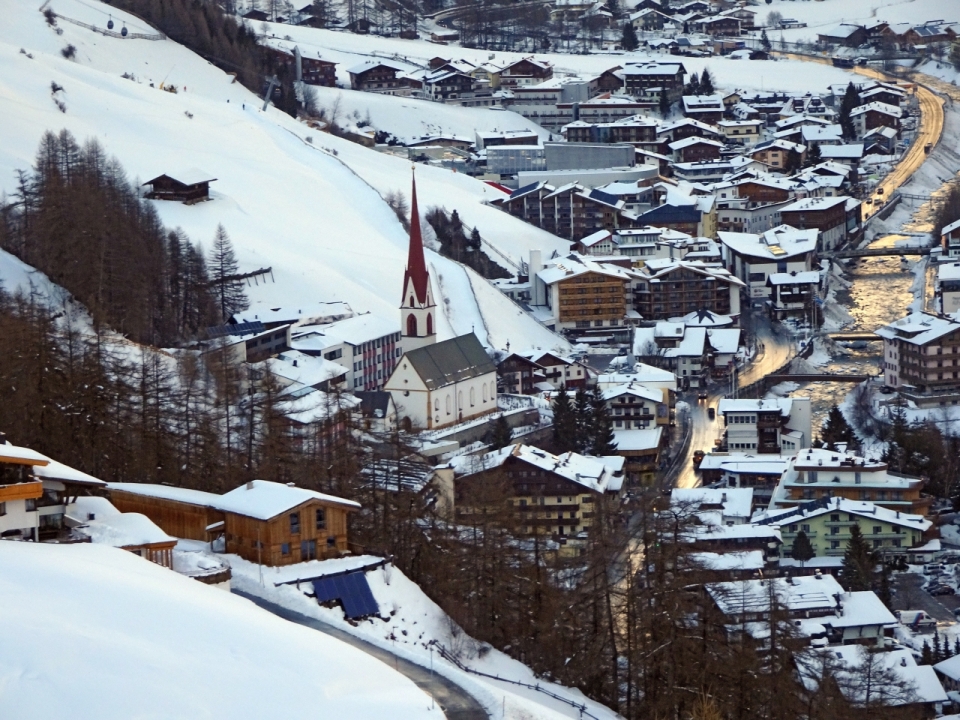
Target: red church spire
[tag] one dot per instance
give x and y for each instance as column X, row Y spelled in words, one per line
column 416, row 265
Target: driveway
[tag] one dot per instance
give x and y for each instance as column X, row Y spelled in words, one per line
column 456, row 703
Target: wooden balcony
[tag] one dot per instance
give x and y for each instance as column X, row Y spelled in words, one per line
column 21, row 491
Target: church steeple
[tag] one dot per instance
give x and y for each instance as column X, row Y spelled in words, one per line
column 417, row 309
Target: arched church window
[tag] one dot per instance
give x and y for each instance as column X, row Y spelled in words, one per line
column 412, row 325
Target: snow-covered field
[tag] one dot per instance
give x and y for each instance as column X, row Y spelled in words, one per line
column 410, row 622
column 94, row 632
column 305, row 203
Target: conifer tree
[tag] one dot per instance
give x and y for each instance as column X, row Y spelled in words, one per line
column 603, row 441
column 629, row 41
column 564, row 423
column 814, row 156
column 926, row 654
column 764, row 41
column 706, row 83
column 224, row 269
column 502, row 434
column 851, row 99
column 802, row 549
column 664, row 102
column 693, row 85
column 859, row 562
column 956, row 646
column 583, row 410
column 836, row 429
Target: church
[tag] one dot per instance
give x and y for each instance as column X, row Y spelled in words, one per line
column 435, row 384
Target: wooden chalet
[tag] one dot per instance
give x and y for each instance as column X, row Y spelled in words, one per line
column 314, row 69
column 189, row 186
column 377, row 76
column 256, row 16
column 526, row 71
column 518, row 375
column 261, row 521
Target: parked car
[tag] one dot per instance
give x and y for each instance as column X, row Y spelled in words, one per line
column 943, row 590
column 933, row 568
column 711, row 413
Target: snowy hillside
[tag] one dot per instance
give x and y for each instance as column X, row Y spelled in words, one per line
column 100, row 633
column 410, row 622
column 302, row 202
column 349, row 49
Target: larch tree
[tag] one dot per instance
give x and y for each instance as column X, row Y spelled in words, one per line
column 224, row 268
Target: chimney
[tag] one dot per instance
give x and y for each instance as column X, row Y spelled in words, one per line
column 818, row 575
column 250, row 485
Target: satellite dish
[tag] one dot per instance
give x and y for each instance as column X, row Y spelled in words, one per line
column 124, row 31
column 110, row 23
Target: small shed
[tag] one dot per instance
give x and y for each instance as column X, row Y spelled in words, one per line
column 189, row 186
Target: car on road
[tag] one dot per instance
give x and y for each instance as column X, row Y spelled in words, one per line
column 943, row 590
column 698, row 456
column 702, row 395
column 886, row 390
column 711, row 413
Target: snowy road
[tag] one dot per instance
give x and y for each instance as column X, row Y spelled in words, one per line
column 456, row 703
column 778, row 348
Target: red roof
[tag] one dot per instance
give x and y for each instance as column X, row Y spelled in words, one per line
column 416, row 264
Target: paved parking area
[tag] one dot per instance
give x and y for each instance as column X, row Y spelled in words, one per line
column 907, row 595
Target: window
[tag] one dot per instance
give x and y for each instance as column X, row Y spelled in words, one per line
column 308, row 550
column 321, row 518
column 856, row 478
column 793, row 528
column 813, row 476
column 285, row 548
column 877, row 543
column 835, row 518
column 834, row 531
column 294, row 523
column 834, row 544
column 877, row 529
column 805, row 528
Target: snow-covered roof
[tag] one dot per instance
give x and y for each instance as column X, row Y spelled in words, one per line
column 693, row 344
column 783, row 405
column 598, row 474
column 261, row 499
column 303, row 369
column 922, row 679
column 693, row 140
column 748, row 560
column 891, row 110
column 108, row 526
column 724, row 341
column 919, row 328
column 638, row 440
column 354, row 331
column 320, row 312
column 847, row 151
column 187, row 176
column 951, row 227
column 949, row 271
column 635, row 389
column 805, row 277
column 861, row 508
column 745, row 463
column 21, row 456
column 371, row 64
column 735, row 502
column 797, row 594
column 780, row 243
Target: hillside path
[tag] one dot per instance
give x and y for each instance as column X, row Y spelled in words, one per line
column 456, row 703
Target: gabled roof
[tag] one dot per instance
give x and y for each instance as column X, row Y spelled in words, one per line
column 919, row 328
column 891, row 110
column 450, row 361
column 185, row 176
column 264, row 499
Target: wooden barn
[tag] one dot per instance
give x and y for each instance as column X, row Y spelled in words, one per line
column 261, row 521
column 189, row 186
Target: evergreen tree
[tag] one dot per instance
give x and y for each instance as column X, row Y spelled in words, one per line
column 937, row 651
column 859, row 562
column 793, row 162
column 764, row 41
column 706, row 83
column 603, row 441
column 664, row 103
column 836, row 429
column 956, row 646
column 926, row 654
column 502, row 434
column 693, row 86
column 475, row 240
column 564, row 423
column 629, row 40
column 584, row 414
column 224, row 269
column 802, row 549
column 814, row 156
column 851, row 99
column 884, row 593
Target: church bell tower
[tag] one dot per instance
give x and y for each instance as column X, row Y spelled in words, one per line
column 418, row 312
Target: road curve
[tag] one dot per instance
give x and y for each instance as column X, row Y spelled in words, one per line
column 929, row 132
column 456, row 703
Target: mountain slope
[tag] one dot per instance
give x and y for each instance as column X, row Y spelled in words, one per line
column 305, row 203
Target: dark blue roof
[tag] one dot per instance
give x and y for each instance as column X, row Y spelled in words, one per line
column 524, row 190
column 603, row 197
column 671, row 213
column 351, row 589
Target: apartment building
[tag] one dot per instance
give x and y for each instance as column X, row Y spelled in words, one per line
column 921, row 358
column 816, row 473
column 776, row 426
column 755, row 257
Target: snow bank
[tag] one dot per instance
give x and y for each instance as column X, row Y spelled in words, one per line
column 96, row 632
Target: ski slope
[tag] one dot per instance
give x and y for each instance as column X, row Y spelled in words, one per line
column 302, row 202
column 96, row 633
